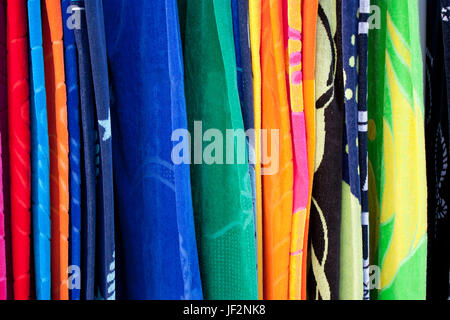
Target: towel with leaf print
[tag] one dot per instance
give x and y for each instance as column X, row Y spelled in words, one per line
column 325, row 220
column 397, row 173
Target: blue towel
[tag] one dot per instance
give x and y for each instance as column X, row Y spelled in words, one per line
column 157, row 252
column 73, row 115
column 88, row 195
column 40, row 163
column 105, row 280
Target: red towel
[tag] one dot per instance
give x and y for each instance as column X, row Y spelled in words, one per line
column 19, row 144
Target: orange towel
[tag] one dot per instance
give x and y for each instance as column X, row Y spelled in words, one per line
column 278, row 184
column 309, row 17
column 59, row 148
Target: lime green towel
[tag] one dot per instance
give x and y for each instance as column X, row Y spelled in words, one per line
column 397, row 173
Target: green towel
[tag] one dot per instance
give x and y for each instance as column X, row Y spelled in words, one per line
column 222, row 194
column 397, row 173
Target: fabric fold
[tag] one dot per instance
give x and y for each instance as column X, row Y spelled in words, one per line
column 277, row 164
column 40, row 162
column 293, row 41
column 3, row 152
column 255, row 46
column 73, row 115
column 59, row 145
column 88, row 152
column 351, row 248
column 105, row 255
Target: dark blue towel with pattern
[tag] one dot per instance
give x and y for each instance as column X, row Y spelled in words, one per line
column 105, row 253
column 88, row 181
column 73, row 117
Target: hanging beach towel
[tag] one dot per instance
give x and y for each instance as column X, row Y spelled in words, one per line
column 59, row 145
column 293, row 43
column 19, row 144
column 397, row 176
column 157, row 250
column 363, row 31
column 73, row 117
column 3, row 151
column 437, row 153
column 105, row 209
column 309, row 23
column 40, row 156
column 445, row 17
column 240, row 10
column 325, row 219
column 88, row 195
column 255, row 45
column 351, row 268
column 222, row 194
column 277, row 166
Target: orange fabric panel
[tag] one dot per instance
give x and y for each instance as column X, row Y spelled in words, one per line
column 59, row 148
column 309, row 17
column 277, row 185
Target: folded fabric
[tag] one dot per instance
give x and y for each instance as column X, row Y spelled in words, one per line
column 351, row 269
column 255, row 45
column 3, row 146
column 309, row 21
column 362, row 38
column 397, row 173
column 325, row 219
column 437, row 149
column 277, row 170
column 40, row 156
column 19, row 144
column 88, row 181
column 222, row 194
column 293, row 43
column 105, row 214
column 73, row 114
column 59, row 145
